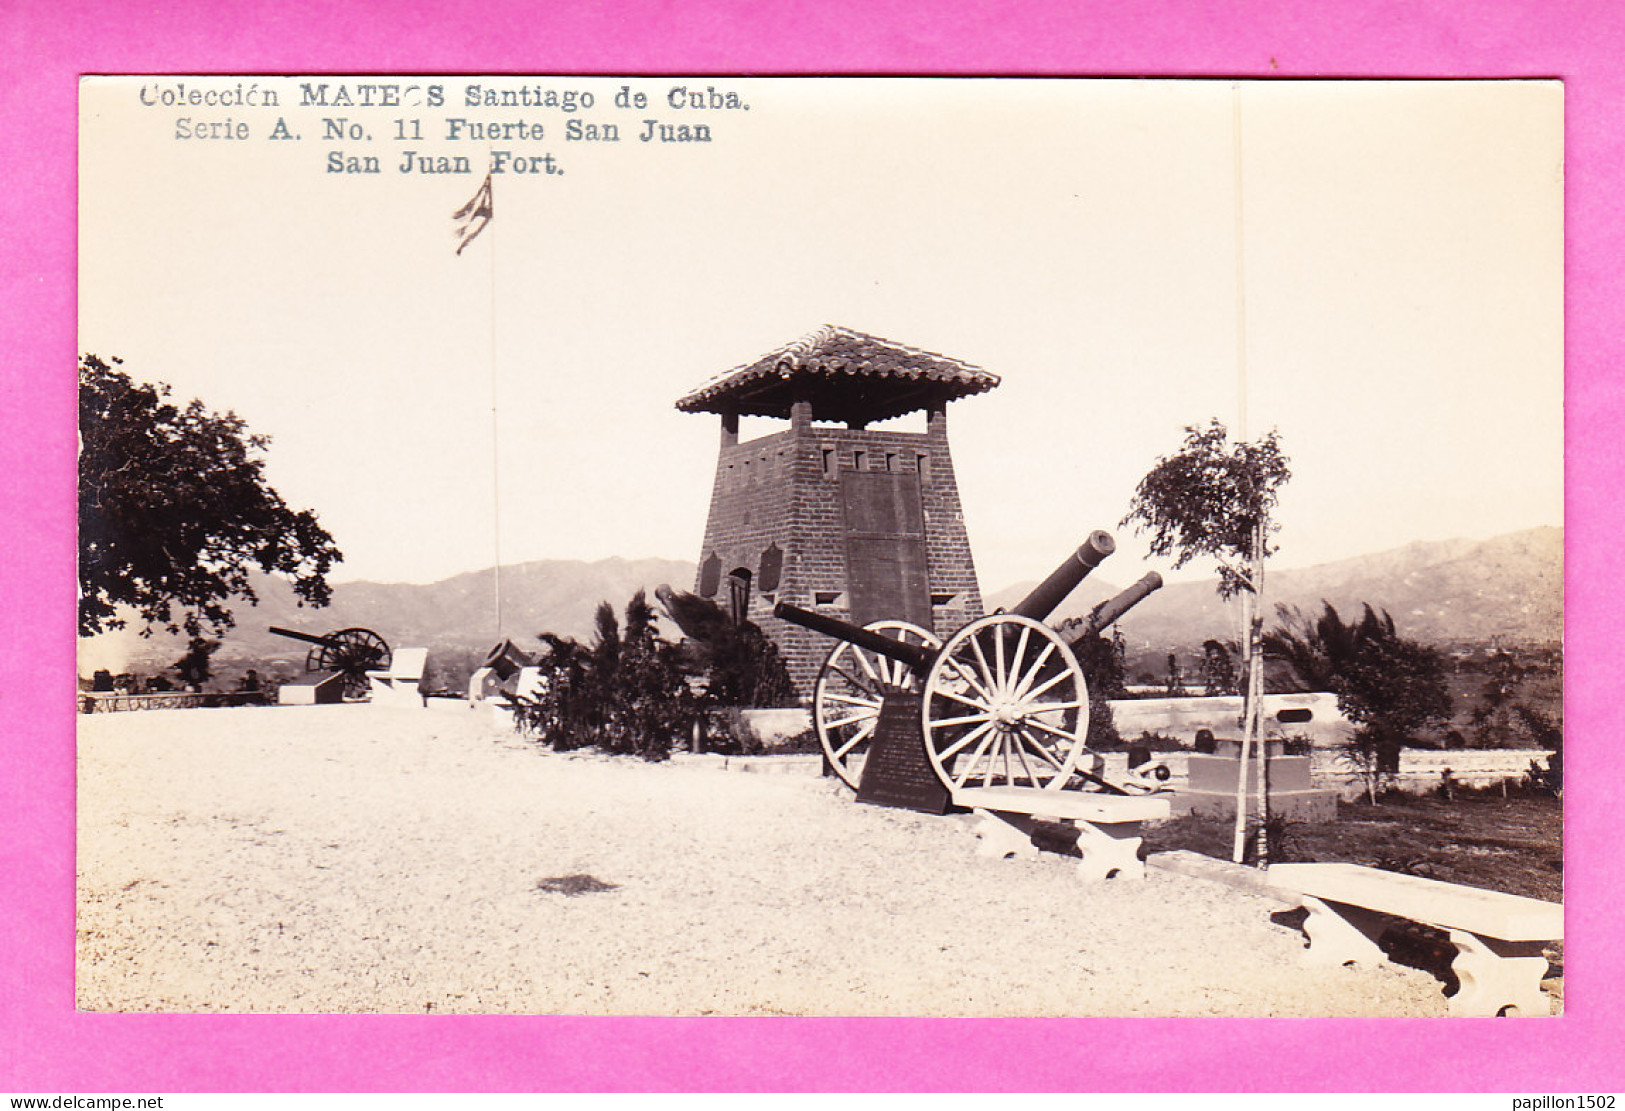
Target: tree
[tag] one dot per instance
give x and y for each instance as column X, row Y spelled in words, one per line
column 196, row 667
column 175, row 511
column 1548, row 734
column 1493, row 718
column 652, row 704
column 1388, row 685
column 1218, row 669
column 1318, row 649
column 1214, row 499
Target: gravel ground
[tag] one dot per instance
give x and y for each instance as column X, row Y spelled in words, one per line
column 372, row 859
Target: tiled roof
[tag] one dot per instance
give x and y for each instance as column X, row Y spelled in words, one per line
column 846, row 374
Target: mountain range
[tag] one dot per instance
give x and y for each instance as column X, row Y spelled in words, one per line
column 1509, row 588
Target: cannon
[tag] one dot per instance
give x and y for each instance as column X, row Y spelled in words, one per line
column 1003, row 699
column 350, row 652
column 507, row 659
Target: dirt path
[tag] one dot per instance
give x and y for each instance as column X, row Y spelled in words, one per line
column 363, row 859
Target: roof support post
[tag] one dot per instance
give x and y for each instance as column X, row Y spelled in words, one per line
column 801, row 414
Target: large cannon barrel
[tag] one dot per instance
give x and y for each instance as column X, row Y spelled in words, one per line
column 506, row 660
column 326, row 642
column 1041, row 601
column 1113, row 608
column 914, row 656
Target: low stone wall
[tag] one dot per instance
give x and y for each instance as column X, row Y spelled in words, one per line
column 1180, row 718
column 1420, row 770
column 108, row 702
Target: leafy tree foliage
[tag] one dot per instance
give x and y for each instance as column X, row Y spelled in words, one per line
column 1390, row 686
column 175, row 511
column 1213, row 498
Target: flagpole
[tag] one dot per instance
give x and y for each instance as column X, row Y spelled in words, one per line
column 496, row 456
column 474, row 217
column 1241, row 267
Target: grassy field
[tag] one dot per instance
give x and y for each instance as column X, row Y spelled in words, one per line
column 1506, row 844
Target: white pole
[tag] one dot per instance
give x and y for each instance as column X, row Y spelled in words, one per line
column 496, row 457
column 1249, row 598
column 1241, row 269
column 1256, row 706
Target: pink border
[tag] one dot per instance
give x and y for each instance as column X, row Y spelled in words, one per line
column 45, row 1047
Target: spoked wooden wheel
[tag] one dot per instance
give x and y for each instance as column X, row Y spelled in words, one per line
column 1005, row 705
column 353, row 653
column 851, row 686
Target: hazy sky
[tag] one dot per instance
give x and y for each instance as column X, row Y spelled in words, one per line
column 1401, row 245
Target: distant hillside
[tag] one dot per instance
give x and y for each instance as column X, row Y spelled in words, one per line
column 1452, row 591
column 456, row 613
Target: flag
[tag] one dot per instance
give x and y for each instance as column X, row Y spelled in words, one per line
column 474, row 215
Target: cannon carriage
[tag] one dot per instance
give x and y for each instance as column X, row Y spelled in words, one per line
column 1003, row 700
column 350, row 653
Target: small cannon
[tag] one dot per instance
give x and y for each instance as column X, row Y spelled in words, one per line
column 1003, row 699
column 350, row 652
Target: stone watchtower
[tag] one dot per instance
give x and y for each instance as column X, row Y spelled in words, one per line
column 857, row 523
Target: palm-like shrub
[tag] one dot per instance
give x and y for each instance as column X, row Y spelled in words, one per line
column 741, row 665
column 1390, row 686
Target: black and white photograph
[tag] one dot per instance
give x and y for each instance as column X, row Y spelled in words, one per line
column 820, row 546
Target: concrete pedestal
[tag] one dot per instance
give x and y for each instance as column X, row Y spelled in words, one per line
column 1211, row 789
column 317, row 688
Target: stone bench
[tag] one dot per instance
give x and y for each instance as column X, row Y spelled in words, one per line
column 1499, row 938
column 1108, row 825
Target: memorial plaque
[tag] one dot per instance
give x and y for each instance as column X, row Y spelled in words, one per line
column 896, row 772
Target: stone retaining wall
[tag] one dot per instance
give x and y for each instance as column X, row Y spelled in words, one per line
column 1420, row 770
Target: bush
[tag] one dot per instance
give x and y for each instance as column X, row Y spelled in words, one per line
column 1159, row 742
column 1374, row 757
column 1547, row 780
column 625, row 694
column 1102, row 735
column 1297, row 745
